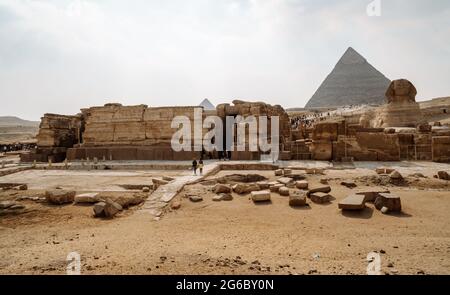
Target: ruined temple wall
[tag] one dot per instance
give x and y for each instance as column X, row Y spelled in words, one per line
column 56, row 134
column 441, row 149
column 58, row 131
column 131, row 125
column 335, row 141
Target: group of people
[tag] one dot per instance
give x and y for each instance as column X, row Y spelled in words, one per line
column 197, row 165
column 306, row 121
column 4, row 148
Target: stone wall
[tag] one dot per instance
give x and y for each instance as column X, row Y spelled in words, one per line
column 114, row 124
column 257, row 109
column 441, row 149
column 56, row 134
column 59, row 131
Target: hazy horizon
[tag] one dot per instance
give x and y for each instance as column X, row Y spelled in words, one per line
column 58, row 56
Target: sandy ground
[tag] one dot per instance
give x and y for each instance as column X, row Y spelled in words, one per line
column 236, row 237
column 101, row 180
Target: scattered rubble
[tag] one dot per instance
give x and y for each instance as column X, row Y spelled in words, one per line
column 195, row 199
column 371, row 195
column 285, row 180
column 244, row 188
column 243, row 178
column 396, row 178
column 6, row 204
column 221, row 188
column 384, row 171
column 349, row 184
column 322, row 189
column 444, row 175
column 59, row 197
column 107, row 209
column 279, row 172
column 263, row 185
column 175, row 205
column 88, row 198
column 276, row 187
column 223, row 197
column 323, row 181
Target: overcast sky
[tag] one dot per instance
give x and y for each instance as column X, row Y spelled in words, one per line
column 62, row 55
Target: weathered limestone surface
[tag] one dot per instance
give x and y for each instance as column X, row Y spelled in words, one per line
column 56, row 134
column 114, row 124
column 257, row 109
column 58, row 131
column 441, row 149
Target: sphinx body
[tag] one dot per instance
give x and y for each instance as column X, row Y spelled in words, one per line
column 401, row 109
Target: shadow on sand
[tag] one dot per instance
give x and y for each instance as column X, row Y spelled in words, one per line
column 301, row 208
column 363, row 214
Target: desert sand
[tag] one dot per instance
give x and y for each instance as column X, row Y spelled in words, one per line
column 234, row 237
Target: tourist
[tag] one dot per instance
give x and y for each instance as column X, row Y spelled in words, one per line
column 200, row 166
column 194, row 166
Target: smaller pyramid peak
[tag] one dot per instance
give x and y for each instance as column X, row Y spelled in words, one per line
column 207, row 105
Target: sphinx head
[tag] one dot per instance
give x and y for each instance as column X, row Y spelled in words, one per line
column 401, row 91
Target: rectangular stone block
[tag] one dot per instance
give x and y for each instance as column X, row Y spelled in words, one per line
column 260, row 196
column 371, row 195
column 320, row 198
column 353, row 202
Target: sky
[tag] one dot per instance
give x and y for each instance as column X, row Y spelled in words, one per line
column 59, row 56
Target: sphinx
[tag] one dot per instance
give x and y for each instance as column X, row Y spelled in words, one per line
column 400, row 110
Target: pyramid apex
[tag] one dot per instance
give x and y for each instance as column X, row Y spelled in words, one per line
column 352, row 81
column 207, row 105
column 351, row 56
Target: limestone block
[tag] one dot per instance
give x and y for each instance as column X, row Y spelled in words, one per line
column 353, row 202
column 283, row 191
column 371, row 195
column 59, row 197
column 390, row 201
column 302, row 184
column 261, row 196
column 297, row 199
column 320, row 198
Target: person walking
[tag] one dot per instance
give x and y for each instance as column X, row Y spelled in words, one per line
column 194, row 166
column 200, row 166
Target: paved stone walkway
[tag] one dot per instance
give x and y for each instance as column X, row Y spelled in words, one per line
column 162, row 196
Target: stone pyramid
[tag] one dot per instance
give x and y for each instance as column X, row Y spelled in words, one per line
column 353, row 81
column 207, row 105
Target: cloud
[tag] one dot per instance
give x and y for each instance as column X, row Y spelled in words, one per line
column 60, row 56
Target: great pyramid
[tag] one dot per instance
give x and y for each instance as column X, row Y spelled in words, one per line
column 353, row 81
column 207, row 105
